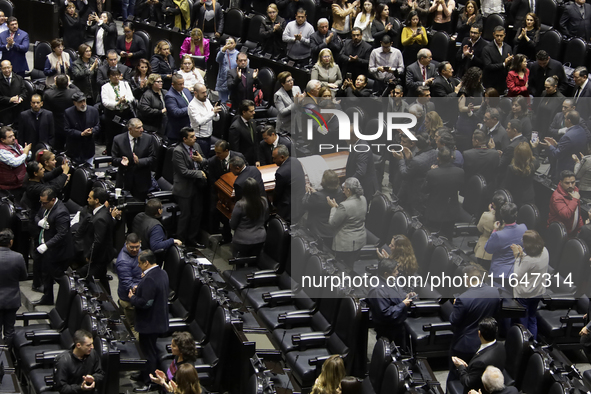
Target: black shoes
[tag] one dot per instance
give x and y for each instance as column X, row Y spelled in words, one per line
column 37, row 289
column 43, row 301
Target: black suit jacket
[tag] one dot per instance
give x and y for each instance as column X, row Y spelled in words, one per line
column 495, row 73
column 248, row 172
column 213, row 167
column 57, row 101
column 136, row 178
column 12, row 270
column 109, row 36
column 443, row 185
column 241, row 141
column 572, row 24
column 102, row 250
column 483, row 162
column 290, row 187
column 58, row 238
column 471, row 377
column 28, row 134
column 441, row 88
column 138, row 49
column 75, row 122
column 414, row 77
column 16, row 88
column 464, row 63
column 238, row 91
column 151, row 303
column 266, row 152
column 538, row 76
column 361, row 166
column 188, row 177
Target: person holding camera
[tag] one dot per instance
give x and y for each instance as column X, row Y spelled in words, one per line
column 79, row 370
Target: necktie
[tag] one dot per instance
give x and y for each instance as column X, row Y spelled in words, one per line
column 424, row 73
column 577, row 93
column 135, row 143
column 8, row 80
column 224, row 166
column 45, row 215
column 251, row 131
column 582, row 9
column 244, row 78
column 185, row 98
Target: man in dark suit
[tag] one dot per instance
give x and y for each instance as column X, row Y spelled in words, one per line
column 102, row 251
column 57, row 99
column 542, row 69
column 576, row 20
column 470, row 52
column 421, row 73
column 12, row 270
column 241, row 80
column 270, row 141
column 290, row 185
column 476, row 303
column 360, row 165
column 102, row 76
column 239, row 168
column 133, row 154
column 481, row 160
column 14, row 45
column 150, row 300
column 189, row 183
column 490, row 352
column 515, row 138
column 13, row 94
column 81, row 123
column 558, row 126
column 323, row 38
column 55, row 241
column 177, row 101
column 36, row 125
column 494, row 129
column 582, row 92
column 443, row 185
column 216, row 166
column 573, row 142
column 444, row 85
column 243, row 134
column 496, row 64
column 354, row 57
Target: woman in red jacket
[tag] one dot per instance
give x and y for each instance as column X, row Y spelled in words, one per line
column 518, row 77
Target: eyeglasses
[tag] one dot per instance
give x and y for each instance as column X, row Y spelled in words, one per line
column 159, row 81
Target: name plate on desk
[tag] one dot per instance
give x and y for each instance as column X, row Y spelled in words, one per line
column 291, row 63
column 153, row 23
column 176, row 29
column 267, row 56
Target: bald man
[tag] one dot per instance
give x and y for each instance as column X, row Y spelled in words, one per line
column 202, row 114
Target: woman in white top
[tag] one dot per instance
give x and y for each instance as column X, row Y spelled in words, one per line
column 531, row 265
column 326, row 71
column 364, row 19
column 190, row 73
column 57, row 62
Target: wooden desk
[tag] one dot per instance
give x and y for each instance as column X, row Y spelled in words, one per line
column 225, row 185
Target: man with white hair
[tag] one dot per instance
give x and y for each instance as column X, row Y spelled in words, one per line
column 202, row 114
column 322, row 38
column 494, row 382
column 421, row 73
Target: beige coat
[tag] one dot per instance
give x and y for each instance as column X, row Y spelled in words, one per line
column 485, row 226
column 339, row 15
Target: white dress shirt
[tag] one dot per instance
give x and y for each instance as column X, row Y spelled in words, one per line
column 201, row 116
column 109, row 98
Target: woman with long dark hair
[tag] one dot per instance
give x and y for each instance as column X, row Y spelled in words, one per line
column 520, row 110
column 105, row 32
column 248, row 221
column 486, row 226
column 401, row 251
column 518, row 77
column 520, row 175
column 364, row 20
column 139, row 78
column 469, row 16
column 383, row 24
column 413, row 37
column 74, row 26
column 470, row 99
column 441, row 11
column 528, row 36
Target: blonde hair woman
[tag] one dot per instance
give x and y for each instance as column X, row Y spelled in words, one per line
column 329, row 381
column 195, row 45
column 364, row 20
column 326, row 71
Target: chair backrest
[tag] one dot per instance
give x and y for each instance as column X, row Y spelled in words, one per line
column 397, row 27
column 267, row 81
column 439, row 46
column 219, row 341
column 377, row 219
column 254, row 26
column 551, row 41
column 80, row 185
column 536, row 376
column 40, row 52
column 167, row 167
column 505, row 193
column 529, row 215
column 391, row 383
column 73, row 54
column 441, row 262
column 346, row 329
column 399, row 224
column 174, row 263
column 63, row 301
column 475, row 195
column 145, row 36
column 188, row 290
column 574, row 264
column 422, row 245
column 518, row 352
column 555, row 239
column 575, row 52
column 547, row 12
column 222, row 126
column 234, row 22
column 7, row 7
column 381, row 358
column 310, row 8
column 203, row 310
column 492, row 21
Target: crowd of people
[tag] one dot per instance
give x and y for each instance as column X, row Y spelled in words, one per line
column 501, row 110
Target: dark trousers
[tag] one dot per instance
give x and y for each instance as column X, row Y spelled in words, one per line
column 530, row 321
column 206, row 145
column 190, row 218
column 148, row 346
column 244, row 250
column 98, row 270
column 51, row 272
column 7, row 320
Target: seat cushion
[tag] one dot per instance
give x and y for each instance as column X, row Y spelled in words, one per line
column 269, row 315
column 37, row 378
column 420, row 338
column 255, row 296
column 237, row 278
column 19, row 334
column 27, row 355
column 304, row 373
column 282, row 337
column 549, row 324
